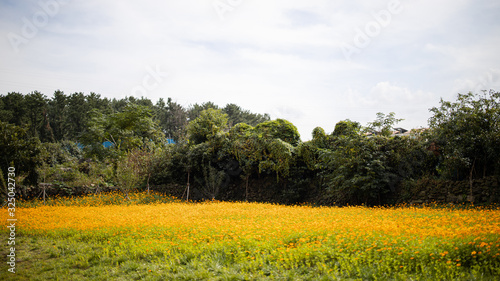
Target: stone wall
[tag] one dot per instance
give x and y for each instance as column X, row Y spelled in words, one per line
column 484, row 191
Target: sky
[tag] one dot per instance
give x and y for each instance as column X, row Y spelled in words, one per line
column 313, row 63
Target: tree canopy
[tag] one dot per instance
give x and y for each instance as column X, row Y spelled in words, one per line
column 230, row 153
column 126, row 130
column 19, row 150
column 208, row 124
column 468, row 133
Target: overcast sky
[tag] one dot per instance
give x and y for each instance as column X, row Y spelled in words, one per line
column 312, row 62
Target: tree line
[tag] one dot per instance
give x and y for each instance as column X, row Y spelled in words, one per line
column 230, row 153
column 65, row 117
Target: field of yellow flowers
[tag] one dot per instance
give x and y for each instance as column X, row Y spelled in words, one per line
column 252, row 241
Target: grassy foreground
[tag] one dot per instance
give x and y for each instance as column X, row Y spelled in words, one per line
column 73, row 240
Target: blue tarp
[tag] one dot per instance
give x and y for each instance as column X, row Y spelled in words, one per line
column 107, row 144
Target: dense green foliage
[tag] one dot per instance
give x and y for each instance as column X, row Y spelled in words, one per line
column 66, row 117
column 207, row 125
column 468, row 132
column 232, row 154
column 19, row 150
column 126, row 130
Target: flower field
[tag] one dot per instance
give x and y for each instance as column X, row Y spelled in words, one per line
column 252, row 241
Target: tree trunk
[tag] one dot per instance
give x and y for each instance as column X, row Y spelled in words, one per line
column 470, row 181
column 187, row 196
column 246, row 188
column 126, row 194
column 147, row 182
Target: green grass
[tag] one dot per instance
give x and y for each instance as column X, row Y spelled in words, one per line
column 41, row 258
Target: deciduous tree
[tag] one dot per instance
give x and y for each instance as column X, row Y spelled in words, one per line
column 384, row 124
column 132, row 128
column 21, row 150
column 207, row 125
column 281, row 129
column 247, row 148
column 468, row 133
